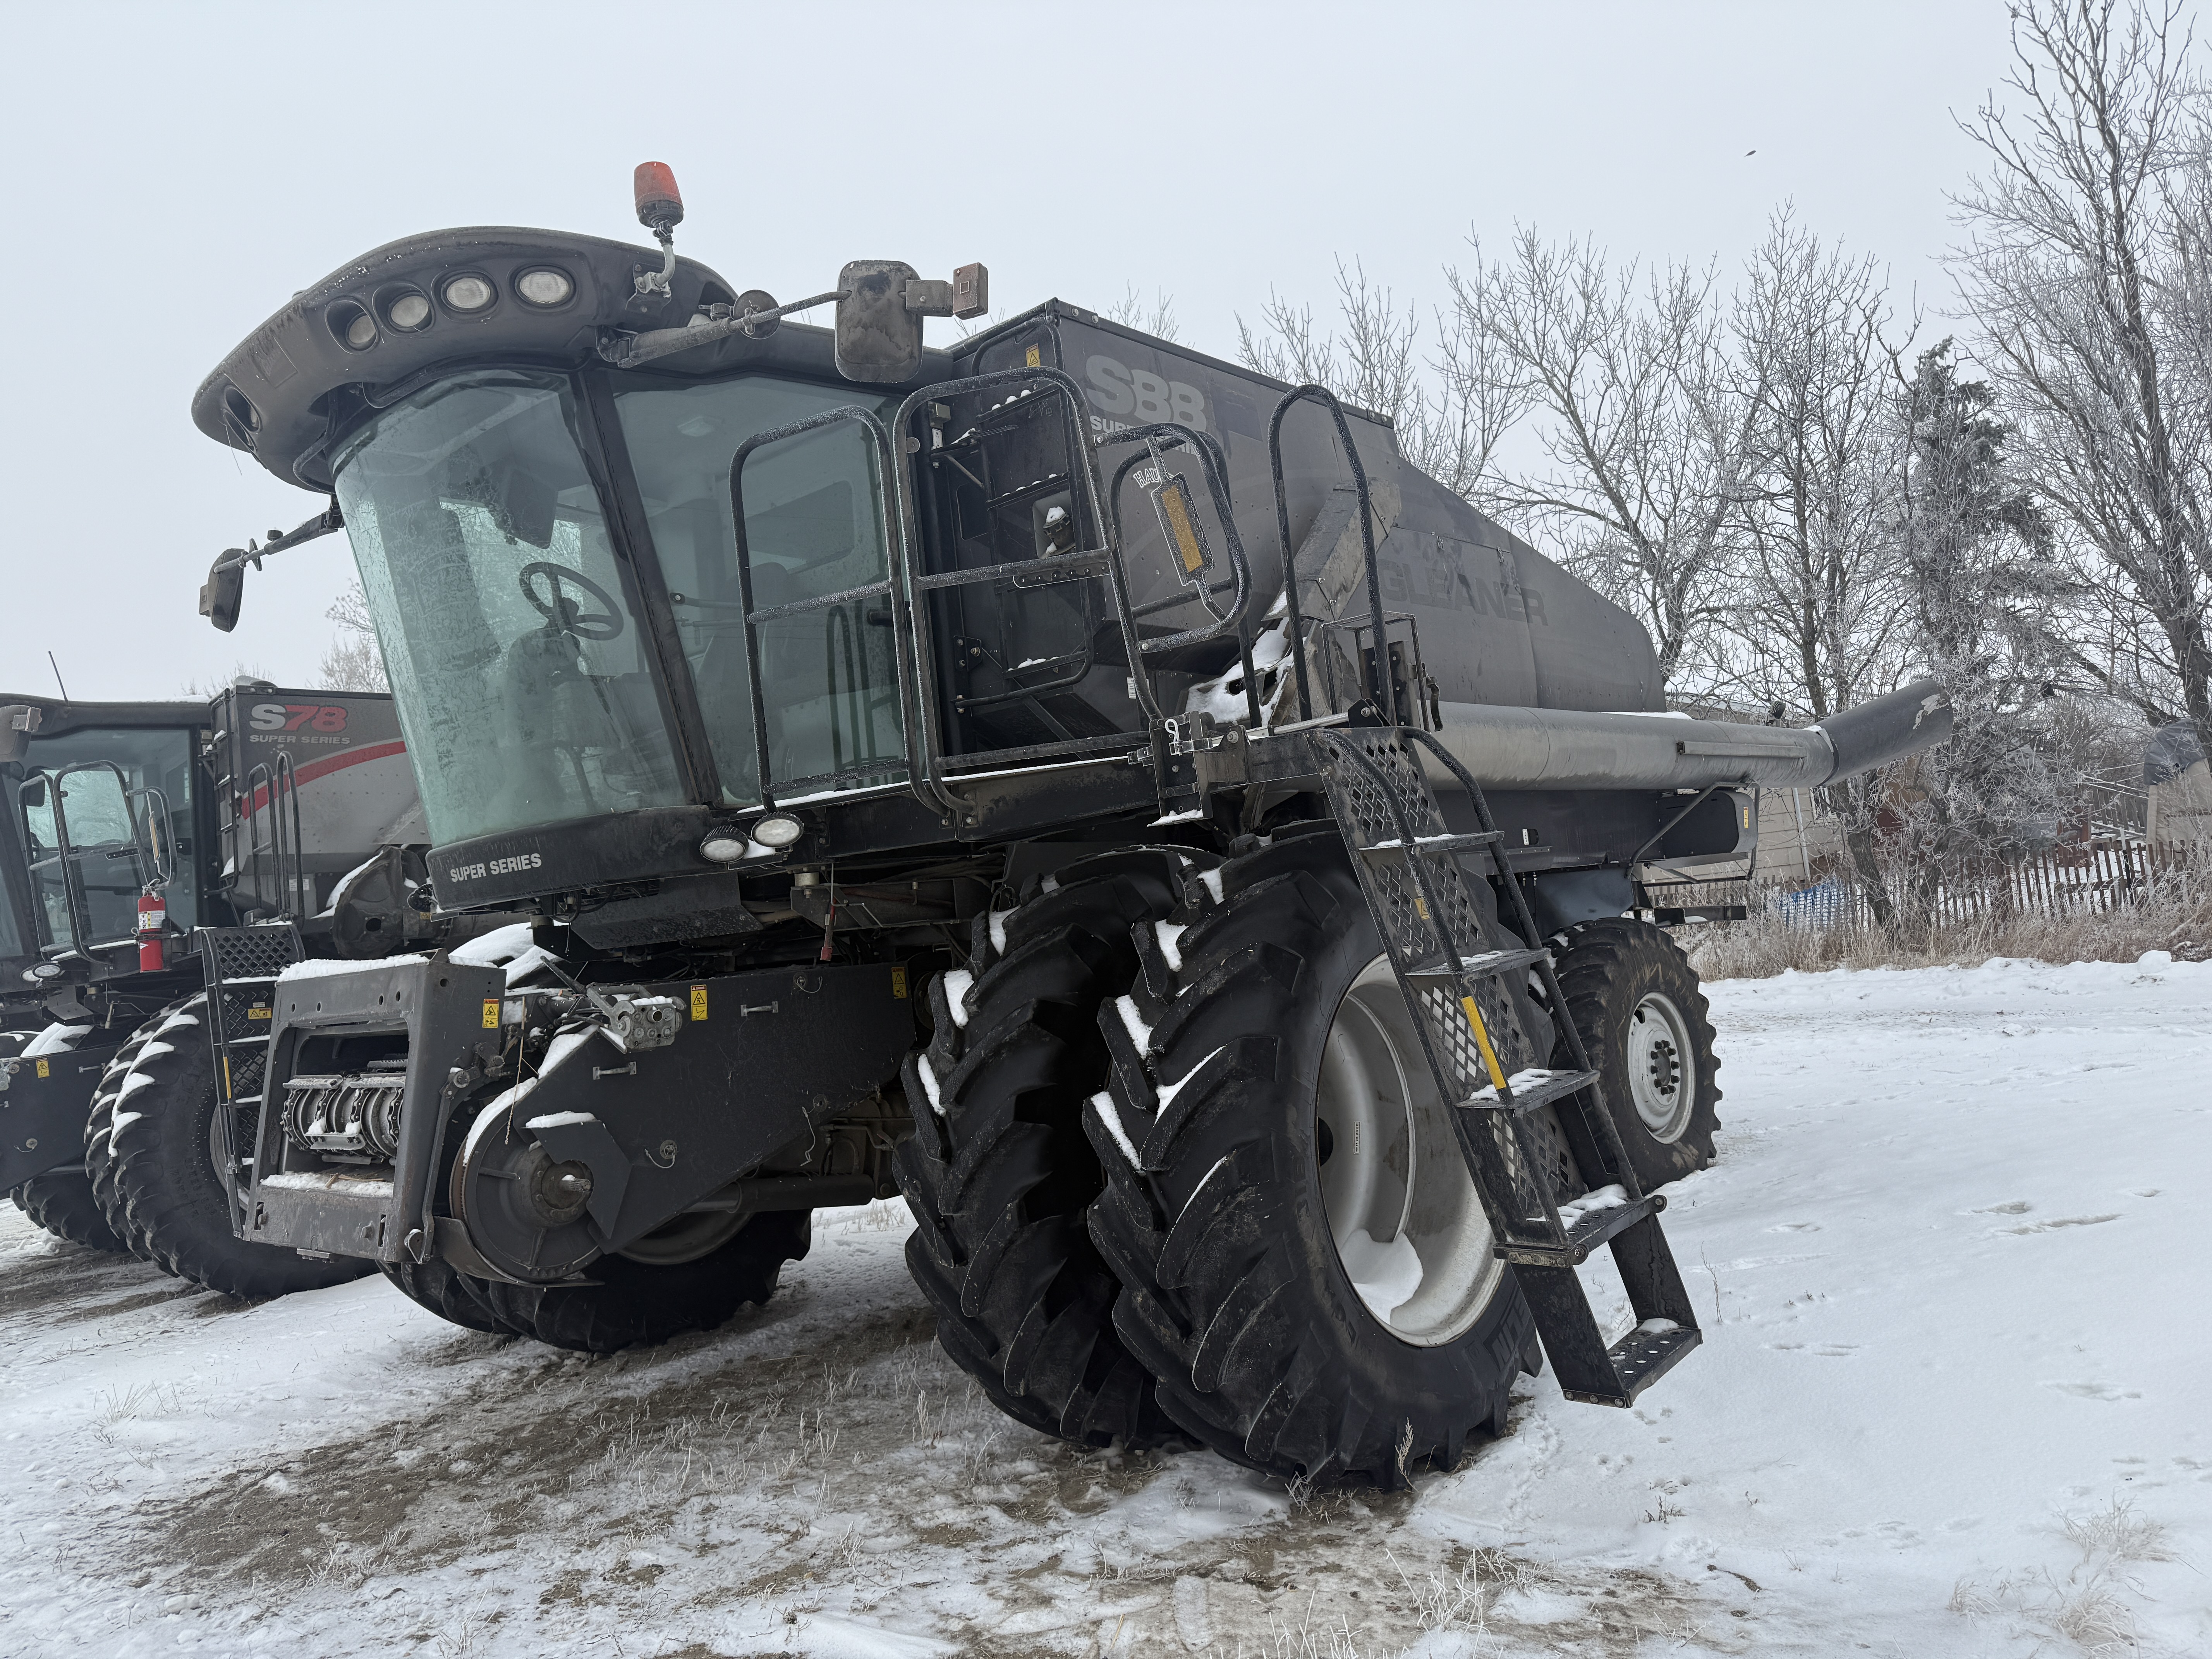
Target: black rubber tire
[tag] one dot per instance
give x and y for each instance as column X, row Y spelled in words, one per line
column 634, row 1305
column 1607, row 968
column 998, row 1173
column 167, row 1184
column 61, row 1202
column 449, row 1293
column 99, row 1137
column 1234, row 1294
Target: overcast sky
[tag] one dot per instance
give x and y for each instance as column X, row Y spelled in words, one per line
column 173, row 172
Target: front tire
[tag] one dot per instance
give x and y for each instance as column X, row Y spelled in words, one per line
column 1635, row 999
column 161, row 1136
column 1319, row 1325
column 998, row 1173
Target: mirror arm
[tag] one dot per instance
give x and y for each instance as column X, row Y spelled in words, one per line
column 330, row 518
column 628, row 350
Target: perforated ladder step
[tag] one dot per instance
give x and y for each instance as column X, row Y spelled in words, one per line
column 1432, row 844
column 1486, row 965
column 1530, row 1089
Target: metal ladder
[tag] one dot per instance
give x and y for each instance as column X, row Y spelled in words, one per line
column 1457, row 967
column 241, row 965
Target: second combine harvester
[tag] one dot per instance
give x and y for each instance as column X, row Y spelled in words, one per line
column 1106, row 793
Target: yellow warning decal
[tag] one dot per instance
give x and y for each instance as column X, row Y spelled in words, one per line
column 1420, row 907
column 898, row 983
column 42, row 1068
column 257, row 1012
column 491, row 1013
column 1034, row 360
column 1175, row 501
column 698, row 1002
column 1482, row 1042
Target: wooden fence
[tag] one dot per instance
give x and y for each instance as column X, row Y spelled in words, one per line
column 2087, row 881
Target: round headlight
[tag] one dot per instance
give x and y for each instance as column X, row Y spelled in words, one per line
column 545, row 287
column 723, row 847
column 777, row 829
column 361, row 333
column 468, row 293
column 410, row 311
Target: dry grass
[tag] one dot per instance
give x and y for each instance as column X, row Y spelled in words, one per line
column 2179, row 921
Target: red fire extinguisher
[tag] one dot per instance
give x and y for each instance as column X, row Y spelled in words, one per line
column 152, row 923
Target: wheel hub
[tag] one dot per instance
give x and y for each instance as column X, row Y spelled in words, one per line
column 1408, row 1225
column 522, row 1207
column 1662, row 1070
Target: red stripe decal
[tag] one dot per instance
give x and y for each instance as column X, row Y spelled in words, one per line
column 322, row 767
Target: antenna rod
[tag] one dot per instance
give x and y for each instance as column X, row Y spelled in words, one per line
column 57, row 667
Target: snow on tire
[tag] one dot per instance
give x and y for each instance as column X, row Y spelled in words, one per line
column 1306, row 1267
column 998, row 1173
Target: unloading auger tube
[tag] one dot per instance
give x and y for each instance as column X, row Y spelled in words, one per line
column 1561, row 749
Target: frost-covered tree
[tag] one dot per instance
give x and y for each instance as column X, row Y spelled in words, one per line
column 354, row 662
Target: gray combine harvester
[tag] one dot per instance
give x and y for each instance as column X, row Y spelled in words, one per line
column 924, row 774
column 128, row 827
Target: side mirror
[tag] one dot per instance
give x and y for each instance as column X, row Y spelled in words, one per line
column 17, row 721
column 33, row 793
column 878, row 339
column 879, row 318
column 223, row 592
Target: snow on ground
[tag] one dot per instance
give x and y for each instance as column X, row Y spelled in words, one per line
column 1952, row 1400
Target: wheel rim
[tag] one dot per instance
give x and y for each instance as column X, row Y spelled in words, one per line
column 1663, row 1067
column 685, row 1238
column 1408, row 1226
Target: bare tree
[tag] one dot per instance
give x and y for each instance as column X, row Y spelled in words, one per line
column 1821, row 602
column 354, row 662
column 2084, row 269
column 1638, row 413
column 1449, row 410
column 1157, row 319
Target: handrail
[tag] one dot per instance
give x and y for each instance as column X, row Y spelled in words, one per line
column 1322, row 395
column 1214, row 463
column 74, row 905
column 902, row 642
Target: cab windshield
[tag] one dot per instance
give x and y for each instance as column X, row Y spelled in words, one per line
column 510, row 630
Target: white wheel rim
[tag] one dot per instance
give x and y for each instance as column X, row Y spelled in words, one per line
column 1408, row 1225
column 1663, row 1067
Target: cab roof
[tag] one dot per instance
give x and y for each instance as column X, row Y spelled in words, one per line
column 285, row 393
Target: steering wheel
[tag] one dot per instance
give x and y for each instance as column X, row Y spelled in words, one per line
column 567, row 614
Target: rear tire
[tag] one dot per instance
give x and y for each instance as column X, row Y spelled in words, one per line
column 637, row 1302
column 1635, row 999
column 165, row 1177
column 999, row 1173
column 1231, row 1231
column 61, row 1202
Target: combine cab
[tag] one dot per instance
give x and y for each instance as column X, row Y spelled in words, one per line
column 1105, row 795
column 135, row 837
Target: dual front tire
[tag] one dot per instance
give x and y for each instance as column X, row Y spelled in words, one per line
column 1295, row 1263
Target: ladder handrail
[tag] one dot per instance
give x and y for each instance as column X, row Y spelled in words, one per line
column 1327, row 398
